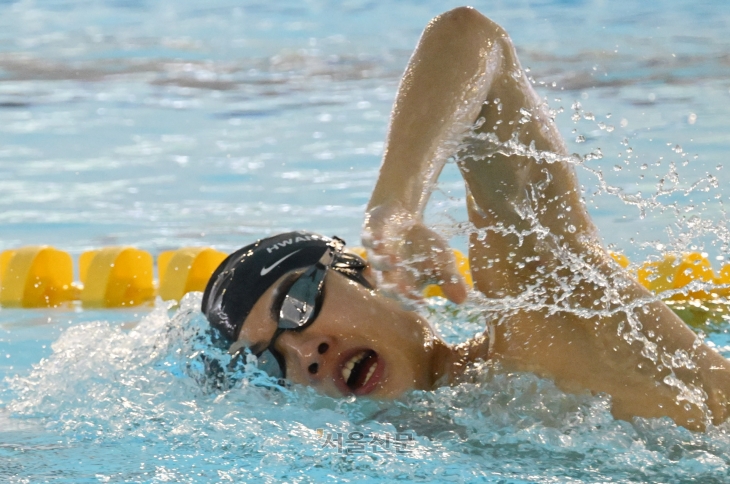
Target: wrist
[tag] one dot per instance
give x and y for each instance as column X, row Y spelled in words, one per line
column 390, row 213
column 403, row 193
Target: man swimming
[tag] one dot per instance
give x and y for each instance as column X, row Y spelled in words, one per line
column 309, row 311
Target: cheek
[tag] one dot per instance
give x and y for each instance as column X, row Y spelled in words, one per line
column 370, row 324
column 399, row 335
column 370, row 320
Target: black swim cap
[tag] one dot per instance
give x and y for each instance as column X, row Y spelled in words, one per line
column 241, row 279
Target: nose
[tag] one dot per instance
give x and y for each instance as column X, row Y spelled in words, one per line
column 309, row 353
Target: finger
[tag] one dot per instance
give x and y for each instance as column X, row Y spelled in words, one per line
column 409, row 290
column 374, row 240
column 452, row 282
column 381, row 262
column 455, row 289
column 367, row 239
column 399, row 284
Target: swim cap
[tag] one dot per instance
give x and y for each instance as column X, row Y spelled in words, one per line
column 241, row 279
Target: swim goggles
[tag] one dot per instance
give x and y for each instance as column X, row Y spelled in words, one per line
column 302, row 303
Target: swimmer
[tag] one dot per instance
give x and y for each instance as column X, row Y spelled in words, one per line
column 310, row 312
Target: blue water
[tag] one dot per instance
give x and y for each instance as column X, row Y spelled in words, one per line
column 165, row 124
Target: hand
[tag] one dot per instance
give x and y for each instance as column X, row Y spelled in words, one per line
column 409, row 254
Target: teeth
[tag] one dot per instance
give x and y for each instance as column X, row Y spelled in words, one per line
column 347, row 370
column 370, row 373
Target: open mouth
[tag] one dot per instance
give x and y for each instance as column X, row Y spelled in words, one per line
column 358, row 371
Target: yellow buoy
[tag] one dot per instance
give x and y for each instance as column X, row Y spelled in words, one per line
column 186, row 270
column 116, row 277
column 33, row 277
column 620, row 259
column 361, row 251
column 675, row 272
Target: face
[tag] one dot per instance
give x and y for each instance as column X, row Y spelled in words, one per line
column 360, row 343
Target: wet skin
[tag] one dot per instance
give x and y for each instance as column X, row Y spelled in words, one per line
column 464, row 83
column 352, row 319
column 465, row 68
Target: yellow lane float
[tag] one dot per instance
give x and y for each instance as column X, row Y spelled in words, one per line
column 33, row 277
column 675, row 272
column 112, row 277
column 42, row 276
column 186, row 270
column 116, row 277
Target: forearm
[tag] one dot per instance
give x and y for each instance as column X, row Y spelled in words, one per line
column 465, row 70
column 438, row 100
column 464, row 93
column 523, row 195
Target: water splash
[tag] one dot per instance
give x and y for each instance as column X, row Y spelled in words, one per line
column 690, row 225
column 153, row 391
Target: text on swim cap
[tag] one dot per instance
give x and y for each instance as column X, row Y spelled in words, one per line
column 295, row 240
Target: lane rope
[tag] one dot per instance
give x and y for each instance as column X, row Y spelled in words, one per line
column 113, row 277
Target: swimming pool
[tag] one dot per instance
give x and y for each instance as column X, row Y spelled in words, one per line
column 166, row 124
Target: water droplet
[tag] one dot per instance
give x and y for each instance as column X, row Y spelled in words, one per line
column 526, row 116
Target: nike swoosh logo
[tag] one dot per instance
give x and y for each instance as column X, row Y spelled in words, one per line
column 266, row 270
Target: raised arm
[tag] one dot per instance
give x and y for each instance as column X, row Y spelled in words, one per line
column 464, row 80
column 439, row 98
column 571, row 313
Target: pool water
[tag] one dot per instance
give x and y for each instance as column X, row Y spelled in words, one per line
column 166, row 124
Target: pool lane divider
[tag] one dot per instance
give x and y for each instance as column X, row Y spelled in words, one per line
column 111, row 277
column 116, row 277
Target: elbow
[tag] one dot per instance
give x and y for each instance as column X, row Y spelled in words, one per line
column 463, row 30
column 466, row 19
column 462, row 15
